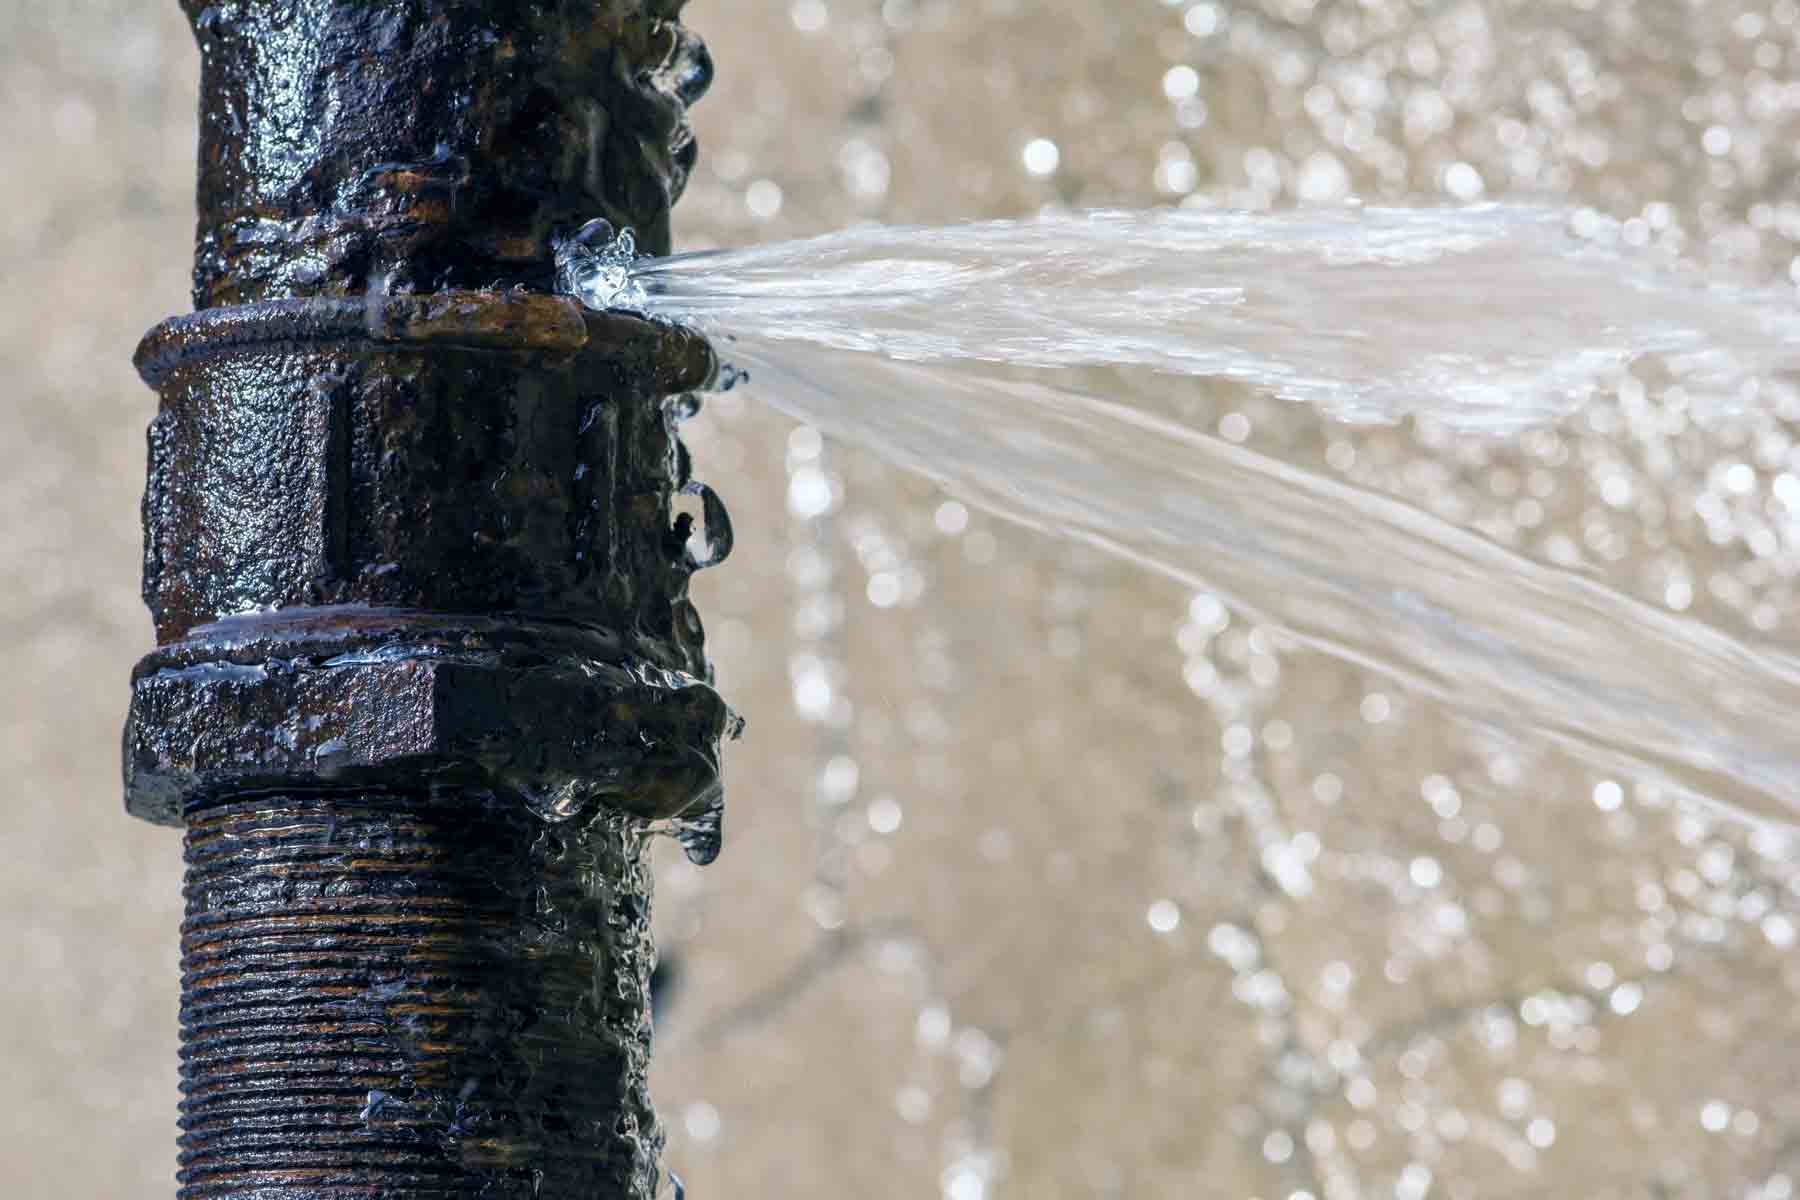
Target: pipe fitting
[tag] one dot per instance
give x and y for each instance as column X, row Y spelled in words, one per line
column 300, row 641
column 560, row 720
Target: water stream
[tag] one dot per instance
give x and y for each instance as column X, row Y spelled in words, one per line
column 968, row 353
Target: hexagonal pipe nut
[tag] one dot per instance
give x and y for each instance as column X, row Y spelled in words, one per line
column 559, row 719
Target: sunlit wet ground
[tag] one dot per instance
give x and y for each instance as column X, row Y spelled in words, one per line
column 1043, row 877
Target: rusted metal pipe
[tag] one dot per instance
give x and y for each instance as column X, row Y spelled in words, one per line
column 427, row 672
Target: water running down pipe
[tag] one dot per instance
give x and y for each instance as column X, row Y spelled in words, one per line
column 427, row 671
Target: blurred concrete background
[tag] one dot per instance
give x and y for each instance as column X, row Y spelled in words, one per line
column 1043, row 878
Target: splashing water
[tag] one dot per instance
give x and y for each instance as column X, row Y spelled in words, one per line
column 1490, row 319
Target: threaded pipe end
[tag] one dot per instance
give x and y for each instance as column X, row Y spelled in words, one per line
column 414, row 993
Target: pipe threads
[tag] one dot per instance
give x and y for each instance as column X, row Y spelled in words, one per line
column 418, row 993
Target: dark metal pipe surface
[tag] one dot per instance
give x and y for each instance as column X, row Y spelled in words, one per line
column 413, row 994
column 427, row 672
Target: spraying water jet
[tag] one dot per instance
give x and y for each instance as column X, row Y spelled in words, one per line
column 956, row 352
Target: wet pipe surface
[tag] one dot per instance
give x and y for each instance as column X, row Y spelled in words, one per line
column 427, row 672
column 413, row 993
